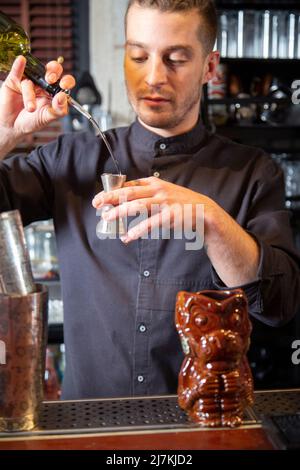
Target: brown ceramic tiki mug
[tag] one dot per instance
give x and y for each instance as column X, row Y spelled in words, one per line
column 215, row 381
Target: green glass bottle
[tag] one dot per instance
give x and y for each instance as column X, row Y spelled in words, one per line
column 14, row 42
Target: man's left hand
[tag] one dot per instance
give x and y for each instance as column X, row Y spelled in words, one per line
column 164, row 202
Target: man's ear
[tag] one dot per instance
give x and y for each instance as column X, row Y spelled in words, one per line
column 210, row 67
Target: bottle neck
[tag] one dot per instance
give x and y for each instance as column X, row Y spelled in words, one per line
column 35, row 71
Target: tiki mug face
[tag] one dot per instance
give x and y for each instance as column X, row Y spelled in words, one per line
column 215, row 381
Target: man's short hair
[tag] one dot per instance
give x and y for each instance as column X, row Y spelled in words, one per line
column 206, row 8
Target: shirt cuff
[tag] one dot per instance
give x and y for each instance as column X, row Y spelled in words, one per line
column 252, row 289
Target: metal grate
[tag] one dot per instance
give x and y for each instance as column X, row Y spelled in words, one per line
column 71, row 417
column 276, row 403
column 112, row 414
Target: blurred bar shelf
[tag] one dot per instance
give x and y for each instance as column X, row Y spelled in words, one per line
column 258, row 4
column 259, row 60
column 56, row 333
column 248, row 101
column 280, row 132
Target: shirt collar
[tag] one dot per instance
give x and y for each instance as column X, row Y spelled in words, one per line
column 147, row 141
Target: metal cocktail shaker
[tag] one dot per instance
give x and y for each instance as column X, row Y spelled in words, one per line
column 15, row 269
column 23, row 330
column 23, row 338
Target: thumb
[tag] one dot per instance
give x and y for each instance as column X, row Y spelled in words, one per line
column 13, row 79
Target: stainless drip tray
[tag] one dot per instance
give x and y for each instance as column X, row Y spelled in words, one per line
column 113, row 415
column 136, row 414
column 276, row 402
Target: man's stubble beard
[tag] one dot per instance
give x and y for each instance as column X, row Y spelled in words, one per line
column 162, row 119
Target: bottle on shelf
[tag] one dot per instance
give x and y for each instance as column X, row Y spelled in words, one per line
column 61, row 361
column 42, row 249
column 51, row 380
column 217, row 89
column 261, row 34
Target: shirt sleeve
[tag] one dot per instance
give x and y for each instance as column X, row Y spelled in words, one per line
column 26, row 183
column 274, row 297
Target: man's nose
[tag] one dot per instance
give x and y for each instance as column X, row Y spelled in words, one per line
column 157, row 73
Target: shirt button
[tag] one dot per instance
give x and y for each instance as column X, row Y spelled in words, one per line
column 162, row 146
column 146, row 273
column 156, row 174
column 142, row 328
column 140, row 378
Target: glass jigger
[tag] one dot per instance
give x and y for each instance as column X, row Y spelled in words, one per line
column 114, row 228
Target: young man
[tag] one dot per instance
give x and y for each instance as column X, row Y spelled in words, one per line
column 119, row 296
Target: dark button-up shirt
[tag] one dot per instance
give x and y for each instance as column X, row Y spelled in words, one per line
column 119, row 300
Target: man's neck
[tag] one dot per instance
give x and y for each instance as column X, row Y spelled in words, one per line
column 178, row 130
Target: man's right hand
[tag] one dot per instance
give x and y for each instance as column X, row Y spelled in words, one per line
column 25, row 107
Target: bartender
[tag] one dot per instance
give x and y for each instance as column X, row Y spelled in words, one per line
column 119, row 295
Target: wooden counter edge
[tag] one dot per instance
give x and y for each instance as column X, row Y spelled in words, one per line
column 252, row 437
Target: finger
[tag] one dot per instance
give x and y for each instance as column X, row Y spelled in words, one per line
column 59, row 106
column 67, row 82
column 161, row 218
column 28, row 94
column 97, row 200
column 141, row 206
column 53, row 71
column 121, row 195
column 13, row 79
column 150, row 180
column 139, row 182
column 142, row 228
column 18, row 67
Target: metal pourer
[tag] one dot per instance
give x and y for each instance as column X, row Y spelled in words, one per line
column 114, row 228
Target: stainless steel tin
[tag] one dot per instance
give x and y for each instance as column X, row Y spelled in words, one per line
column 15, row 269
column 23, row 338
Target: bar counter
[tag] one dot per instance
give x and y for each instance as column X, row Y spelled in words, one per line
column 149, row 423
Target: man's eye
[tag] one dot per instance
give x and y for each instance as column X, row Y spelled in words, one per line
column 139, row 59
column 174, row 61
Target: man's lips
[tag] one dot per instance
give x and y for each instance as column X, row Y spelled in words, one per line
column 155, row 99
